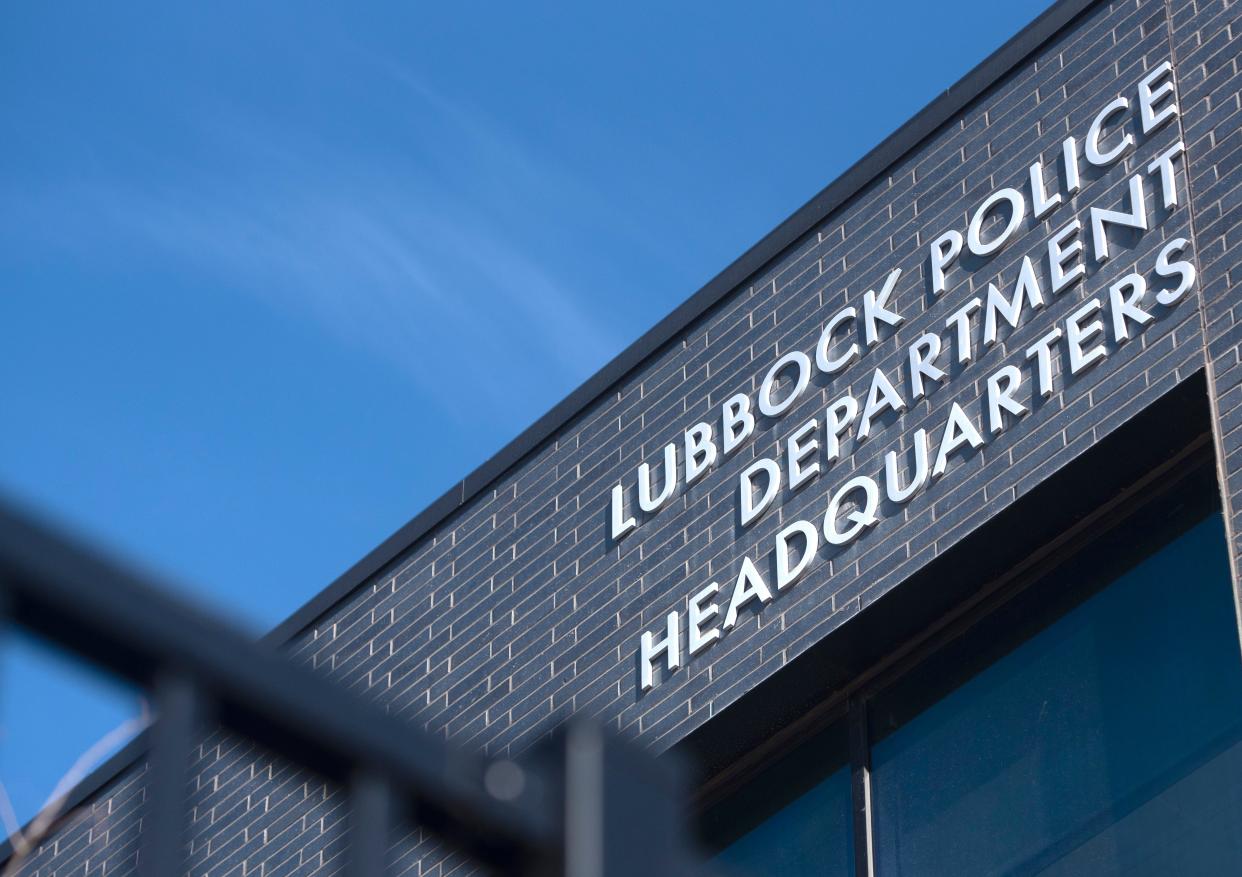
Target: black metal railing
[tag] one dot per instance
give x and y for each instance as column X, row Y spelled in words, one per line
column 585, row 805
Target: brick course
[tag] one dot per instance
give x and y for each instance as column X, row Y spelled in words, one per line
column 1205, row 37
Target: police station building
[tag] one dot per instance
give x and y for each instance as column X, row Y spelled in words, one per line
column 914, row 533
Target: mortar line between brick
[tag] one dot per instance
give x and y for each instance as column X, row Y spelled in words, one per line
column 1218, row 445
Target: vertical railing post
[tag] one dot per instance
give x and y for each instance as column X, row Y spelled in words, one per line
column 623, row 808
column 370, row 819
column 178, row 707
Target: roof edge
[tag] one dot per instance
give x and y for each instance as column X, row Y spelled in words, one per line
column 834, row 195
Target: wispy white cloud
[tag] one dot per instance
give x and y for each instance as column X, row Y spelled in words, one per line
column 418, row 258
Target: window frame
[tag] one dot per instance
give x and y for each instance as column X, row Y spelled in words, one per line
column 1173, row 493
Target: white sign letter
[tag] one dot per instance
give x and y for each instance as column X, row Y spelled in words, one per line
column 875, row 308
column 1148, row 96
column 620, row 523
column 944, row 250
column 840, row 415
column 786, row 575
column 797, row 449
column 697, row 615
column 802, row 364
column 749, row 586
column 882, row 395
column 737, row 423
column 1026, row 289
column 700, row 451
column 1094, row 155
column 923, row 353
column 649, row 650
column 960, row 321
column 1002, row 397
column 1124, row 307
column 892, row 478
column 746, row 489
column 828, row 364
column 1136, row 218
column 974, row 232
column 1076, row 333
column 1060, row 255
column 646, row 501
column 1041, row 204
column 1042, row 350
column 859, row 519
column 958, row 431
column 1181, row 268
column 1168, row 180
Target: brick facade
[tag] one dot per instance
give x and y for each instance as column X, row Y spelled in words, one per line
column 1205, row 50
column 517, row 610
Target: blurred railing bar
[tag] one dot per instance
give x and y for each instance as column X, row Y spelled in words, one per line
column 196, row 664
column 588, row 805
column 179, row 707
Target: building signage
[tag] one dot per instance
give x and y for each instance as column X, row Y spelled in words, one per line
column 1111, row 317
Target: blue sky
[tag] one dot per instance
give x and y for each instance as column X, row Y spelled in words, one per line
column 276, row 275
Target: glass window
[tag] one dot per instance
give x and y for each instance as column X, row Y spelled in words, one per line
column 1110, row 742
column 795, row 820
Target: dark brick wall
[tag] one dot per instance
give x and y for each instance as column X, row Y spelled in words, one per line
column 1205, row 49
column 517, row 611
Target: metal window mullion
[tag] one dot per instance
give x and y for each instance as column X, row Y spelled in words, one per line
column 860, row 787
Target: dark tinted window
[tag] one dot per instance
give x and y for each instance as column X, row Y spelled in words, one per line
column 795, row 820
column 1110, row 742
